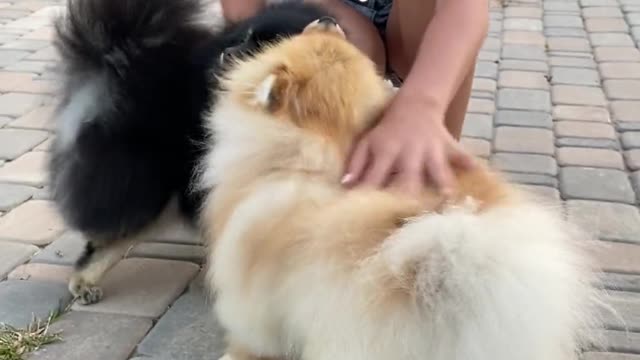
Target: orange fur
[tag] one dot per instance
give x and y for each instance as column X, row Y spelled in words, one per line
column 282, row 228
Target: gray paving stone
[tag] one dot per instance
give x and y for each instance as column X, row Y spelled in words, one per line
column 94, row 336
column 581, row 113
column 523, row 24
column 563, row 21
column 16, row 104
column 606, row 220
column 574, row 76
column 608, row 356
column 584, row 130
column 522, row 99
column 610, row 39
column 523, row 52
column 565, row 32
column 37, row 67
column 486, row 69
column 587, row 143
column 66, row 250
column 632, row 158
column 532, row 179
column 21, row 300
column 635, row 179
column 523, row 118
column 621, row 282
column 12, row 255
column 622, row 89
column 12, row 195
column 4, row 120
column 524, row 140
column 15, row 142
column 627, row 307
column 192, row 253
column 561, row 6
column 42, row 272
column 156, row 284
column 596, row 184
column 589, row 157
column 9, row 57
column 621, row 341
column 524, row 65
column 188, row 331
column 478, row 126
column 572, row 62
column 525, row 163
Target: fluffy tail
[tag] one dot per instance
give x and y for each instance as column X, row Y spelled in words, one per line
column 507, row 282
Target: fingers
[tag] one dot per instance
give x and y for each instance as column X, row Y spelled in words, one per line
column 357, row 163
column 461, row 159
column 440, row 171
column 411, row 177
column 377, row 173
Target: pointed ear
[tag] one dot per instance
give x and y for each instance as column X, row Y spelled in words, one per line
column 271, row 92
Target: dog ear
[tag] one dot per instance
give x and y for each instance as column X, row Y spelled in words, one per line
column 271, row 93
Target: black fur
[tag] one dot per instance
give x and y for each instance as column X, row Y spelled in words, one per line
column 147, row 69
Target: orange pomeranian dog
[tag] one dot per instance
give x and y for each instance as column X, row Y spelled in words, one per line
column 304, row 269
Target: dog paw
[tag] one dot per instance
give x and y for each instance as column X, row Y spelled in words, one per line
column 84, row 293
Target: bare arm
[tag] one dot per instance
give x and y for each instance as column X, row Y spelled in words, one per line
column 237, row 10
column 447, row 52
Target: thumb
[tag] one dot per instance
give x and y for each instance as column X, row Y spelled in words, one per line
column 357, row 163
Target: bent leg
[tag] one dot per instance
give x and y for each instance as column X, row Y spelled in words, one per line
column 407, row 23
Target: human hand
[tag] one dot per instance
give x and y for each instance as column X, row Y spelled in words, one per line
column 409, row 146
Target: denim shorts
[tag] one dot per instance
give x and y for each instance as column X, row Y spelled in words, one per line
column 375, row 10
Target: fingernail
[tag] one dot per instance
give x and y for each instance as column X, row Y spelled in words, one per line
column 348, row 178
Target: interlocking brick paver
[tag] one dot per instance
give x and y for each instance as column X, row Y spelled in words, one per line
column 577, row 95
column 478, row 126
column 630, row 140
column 563, row 21
column 610, row 39
column 523, row 11
column 532, row 179
column 523, row 118
column 609, row 356
column 95, row 336
column 9, row 57
column 12, row 195
column 587, row 143
column 38, row 118
column 29, row 169
column 626, row 311
column 155, row 250
column 574, row 76
column 184, row 333
column 526, row 24
column 525, row 140
column 606, row 25
column 65, row 250
column 525, row 163
column 596, row 184
column 622, row 89
column 522, row 79
column 565, row 32
column 602, row 12
column 584, row 129
column 156, row 285
column 605, row 53
column 34, row 222
column 14, row 142
column 580, row 113
column 524, row 65
column 632, row 158
column 477, row 147
column 625, row 110
column 523, row 52
column 20, row 301
column 482, row 106
column 486, row 69
column 620, row 70
column 617, row 257
column 568, row 44
column 606, row 220
column 621, row 282
column 12, row 255
column 622, row 341
column 18, row 104
column 42, row 272
column 578, row 156
column 572, row 62
column 523, row 37
column 481, row 84
column 521, row 99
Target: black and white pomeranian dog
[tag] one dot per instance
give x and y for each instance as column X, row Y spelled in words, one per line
column 139, row 76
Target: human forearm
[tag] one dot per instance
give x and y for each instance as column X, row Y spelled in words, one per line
column 237, row 10
column 447, row 52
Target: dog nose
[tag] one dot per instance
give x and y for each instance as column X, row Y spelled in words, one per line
column 327, row 21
